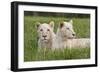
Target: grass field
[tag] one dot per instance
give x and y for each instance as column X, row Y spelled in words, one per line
column 81, row 27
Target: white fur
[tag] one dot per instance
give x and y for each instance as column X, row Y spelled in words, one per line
column 45, row 30
column 65, row 38
column 78, row 43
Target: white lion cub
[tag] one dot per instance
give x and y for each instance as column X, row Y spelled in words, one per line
column 66, row 37
column 45, row 34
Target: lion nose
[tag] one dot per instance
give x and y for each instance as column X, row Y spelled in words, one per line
column 73, row 34
column 44, row 36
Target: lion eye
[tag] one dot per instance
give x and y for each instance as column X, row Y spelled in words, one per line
column 41, row 29
column 48, row 29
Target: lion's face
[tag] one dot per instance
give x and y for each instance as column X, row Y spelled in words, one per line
column 67, row 30
column 45, row 32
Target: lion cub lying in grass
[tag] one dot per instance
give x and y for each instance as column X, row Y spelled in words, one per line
column 45, row 34
column 65, row 37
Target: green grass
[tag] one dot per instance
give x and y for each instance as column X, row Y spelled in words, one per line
column 81, row 27
column 66, row 54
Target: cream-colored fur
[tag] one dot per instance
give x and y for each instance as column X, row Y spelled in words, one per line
column 46, row 35
column 65, row 37
column 78, row 43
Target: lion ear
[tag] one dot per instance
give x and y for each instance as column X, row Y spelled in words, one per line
column 61, row 24
column 38, row 24
column 51, row 23
column 71, row 21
